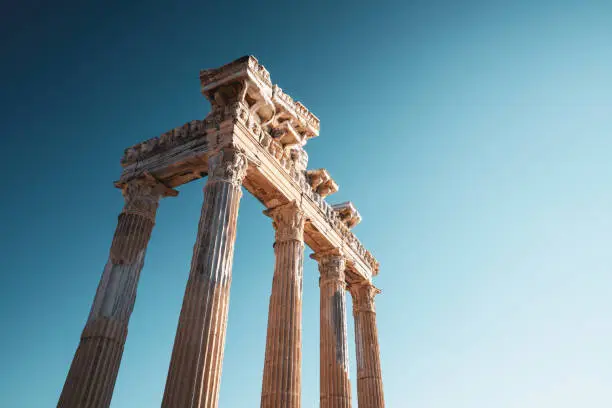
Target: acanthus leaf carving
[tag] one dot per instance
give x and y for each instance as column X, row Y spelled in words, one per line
column 363, row 296
column 288, row 221
column 228, row 165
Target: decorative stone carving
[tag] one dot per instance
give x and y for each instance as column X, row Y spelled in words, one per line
column 288, row 221
column 250, row 86
column 228, row 164
column 142, row 196
column 348, row 215
column 363, row 297
column 331, row 266
column 321, row 182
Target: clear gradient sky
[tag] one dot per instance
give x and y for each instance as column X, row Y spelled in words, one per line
column 474, row 138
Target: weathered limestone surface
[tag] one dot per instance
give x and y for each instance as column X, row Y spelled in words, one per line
column 194, row 375
column 335, row 385
column 283, row 359
column 369, row 374
column 91, row 379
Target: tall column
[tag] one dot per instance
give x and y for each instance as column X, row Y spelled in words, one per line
column 194, row 375
column 283, row 362
column 369, row 374
column 91, row 379
column 335, row 384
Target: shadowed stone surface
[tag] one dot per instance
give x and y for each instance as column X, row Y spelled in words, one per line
column 91, row 379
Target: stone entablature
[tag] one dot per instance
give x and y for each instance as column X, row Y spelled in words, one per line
column 181, row 154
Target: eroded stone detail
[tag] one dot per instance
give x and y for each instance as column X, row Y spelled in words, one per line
column 228, row 165
column 288, row 222
column 321, row 182
column 348, row 213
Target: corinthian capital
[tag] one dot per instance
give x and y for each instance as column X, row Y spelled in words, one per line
column 228, row 165
column 142, row 195
column 332, row 265
column 363, row 296
column 288, row 221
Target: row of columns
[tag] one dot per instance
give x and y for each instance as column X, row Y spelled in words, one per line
column 195, row 368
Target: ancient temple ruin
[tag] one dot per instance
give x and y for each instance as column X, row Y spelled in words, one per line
column 253, row 137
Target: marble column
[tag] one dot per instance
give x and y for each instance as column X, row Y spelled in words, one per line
column 335, row 387
column 283, row 359
column 369, row 374
column 91, row 379
column 194, row 375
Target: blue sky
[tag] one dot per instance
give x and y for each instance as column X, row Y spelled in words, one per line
column 474, row 139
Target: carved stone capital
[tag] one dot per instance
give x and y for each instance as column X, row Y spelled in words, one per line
column 142, row 195
column 363, row 297
column 332, row 265
column 288, row 221
column 227, row 165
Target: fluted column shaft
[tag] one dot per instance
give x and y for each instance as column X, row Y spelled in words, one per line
column 91, row 379
column 369, row 374
column 194, row 374
column 283, row 359
column 335, row 386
